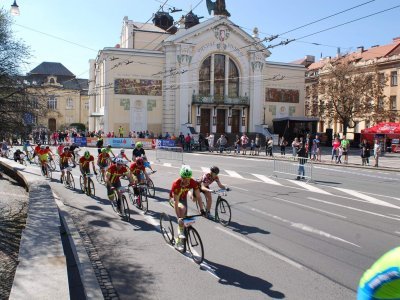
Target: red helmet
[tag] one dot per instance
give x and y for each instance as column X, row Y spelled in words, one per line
column 139, row 161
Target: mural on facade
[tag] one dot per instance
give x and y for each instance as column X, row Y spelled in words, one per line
column 145, row 87
column 282, row 95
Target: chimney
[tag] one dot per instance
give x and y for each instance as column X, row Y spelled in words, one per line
column 396, row 39
column 360, row 49
column 310, row 58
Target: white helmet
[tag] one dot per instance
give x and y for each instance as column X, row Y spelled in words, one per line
column 119, row 161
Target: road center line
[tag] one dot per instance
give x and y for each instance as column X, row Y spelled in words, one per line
column 310, row 207
column 353, row 208
column 261, row 248
column 305, row 228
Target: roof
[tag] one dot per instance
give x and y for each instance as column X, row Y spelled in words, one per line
column 147, row 27
column 51, row 68
column 374, row 52
column 76, row 84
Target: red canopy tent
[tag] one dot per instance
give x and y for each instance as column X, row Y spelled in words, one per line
column 384, row 132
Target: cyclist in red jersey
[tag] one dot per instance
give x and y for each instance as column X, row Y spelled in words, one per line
column 205, row 181
column 84, row 166
column 65, row 160
column 178, row 195
column 103, row 160
column 113, row 175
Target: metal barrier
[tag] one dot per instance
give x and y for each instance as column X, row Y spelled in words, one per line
column 169, row 153
column 298, row 167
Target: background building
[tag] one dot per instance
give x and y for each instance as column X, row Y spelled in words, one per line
column 66, row 96
column 212, row 75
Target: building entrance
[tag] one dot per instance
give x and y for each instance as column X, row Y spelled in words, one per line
column 235, row 121
column 52, row 124
column 205, row 120
column 221, row 120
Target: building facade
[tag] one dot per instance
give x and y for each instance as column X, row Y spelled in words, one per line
column 386, row 60
column 66, row 97
column 212, row 75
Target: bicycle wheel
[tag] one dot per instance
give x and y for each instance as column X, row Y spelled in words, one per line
column 114, row 202
column 223, row 212
column 151, row 191
column 195, row 245
column 91, row 191
column 52, row 165
column 144, row 201
column 126, row 212
column 99, row 176
column 82, row 183
column 49, row 174
column 70, row 180
column 166, row 228
column 138, row 201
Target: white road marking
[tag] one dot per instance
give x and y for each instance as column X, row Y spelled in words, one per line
column 355, row 173
column 397, row 216
column 167, row 164
column 353, row 208
column 309, row 187
column 398, row 199
column 397, row 232
column 310, row 207
column 204, row 169
column 305, row 227
column 266, row 179
column 366, row 197
column 261, row 248
column 233, row 174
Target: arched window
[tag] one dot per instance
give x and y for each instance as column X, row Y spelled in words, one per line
column 224, row 81
column 52, row 81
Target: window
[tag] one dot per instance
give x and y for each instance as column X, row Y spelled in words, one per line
column 219, row 76
column 70, row 103
column 393, row 104
column 52, row 102
column 87, row 105
column 205, row 78
column 393, row 78
column 225, row 81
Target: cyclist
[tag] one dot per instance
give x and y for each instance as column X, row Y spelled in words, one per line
column 138, row 151
column 137, row 168
column 51, row 154
column 123, row 155
column 84, row 166
column 382, row 279
column 113, row 175
column 17, row 156
column 178, row 197
column 65, row 159
column 73, row 149
column 25, row 149
column 147, row 165
column 108, row 148
column 60, row 149
column 204, row 182
column 43, row 155
column 103, row 160
column 36, row 150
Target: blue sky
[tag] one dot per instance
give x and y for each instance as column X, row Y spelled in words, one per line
column 95, row 24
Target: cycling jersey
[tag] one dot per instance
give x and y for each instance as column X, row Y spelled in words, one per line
column 382, row 280
column 123, row 156
column 207, row 179
column 138, row 152
column 181, row 191
column 84, row 162
column 103, row 158
column 60, row 149
column 65, row 157
column 115, row 173
column 37, row 149
column 43, row 154
column 135, row 169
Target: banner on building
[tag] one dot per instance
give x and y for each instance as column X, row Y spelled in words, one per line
column 80, row 141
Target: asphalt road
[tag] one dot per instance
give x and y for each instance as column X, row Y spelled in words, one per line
column 287, row 239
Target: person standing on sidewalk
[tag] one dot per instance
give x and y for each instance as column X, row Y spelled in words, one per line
column 377, row 152
column 345, row 145
column 308, row 145
column 335, row 148
column 283, row 144
column 302, row 154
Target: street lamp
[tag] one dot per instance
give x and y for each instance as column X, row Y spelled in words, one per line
column 14, row 9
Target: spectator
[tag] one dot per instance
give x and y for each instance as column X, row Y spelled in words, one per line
column 365, row 153
column 301, row 153
column 340, row 154
column 201, row 141
column 211, row 142
column 244, row 141
column 252, row 147
column 121, row 131
column 206, row 142
column 167, row 135
column 345, row 145
column 187, row 142
column 335, row 148
column 237, row 145
column 257, row 141
column 181, row 140
column 316, row 151
column 308, row 144
column 269, row 147
column 221, row 143
column 283, row 143
column 377, row 152
column 295, row 146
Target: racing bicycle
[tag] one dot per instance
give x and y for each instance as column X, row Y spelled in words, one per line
column 192, row 241
column 69, row 181
column 123, row 211
column 222, row 208
column 140, row 200
column 90, row 190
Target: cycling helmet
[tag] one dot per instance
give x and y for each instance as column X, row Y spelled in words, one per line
column 215, row 170
column 108, row 146
column 103, row 150
column 139, row 161
column 122, row 151
column 66, row 149
column 119, row 161
column 87, row 154
column 138, row 145
column 42, row 147
column 186, row 171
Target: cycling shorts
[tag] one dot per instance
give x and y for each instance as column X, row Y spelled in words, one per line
column 63, row 166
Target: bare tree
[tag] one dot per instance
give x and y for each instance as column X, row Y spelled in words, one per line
column 19, row 107
column 349, row 93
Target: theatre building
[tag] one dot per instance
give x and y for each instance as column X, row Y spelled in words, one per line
column 211, row 74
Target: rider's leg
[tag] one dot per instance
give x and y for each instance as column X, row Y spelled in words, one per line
column 209, row 200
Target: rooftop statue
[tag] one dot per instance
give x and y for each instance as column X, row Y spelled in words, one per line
column 218, row 7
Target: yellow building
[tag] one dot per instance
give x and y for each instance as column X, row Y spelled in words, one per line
column 66, row 96
column 212, row 75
